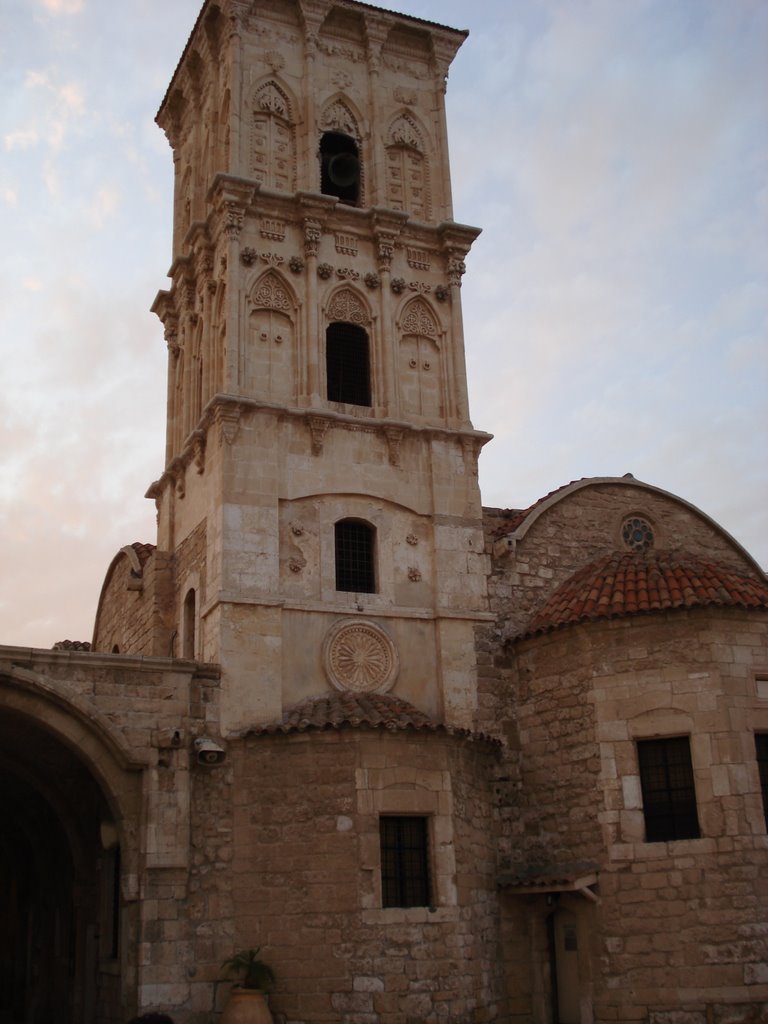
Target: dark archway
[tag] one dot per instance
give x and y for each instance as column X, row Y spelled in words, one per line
column 59, row 905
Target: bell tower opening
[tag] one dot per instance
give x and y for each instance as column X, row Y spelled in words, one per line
column 340, row 168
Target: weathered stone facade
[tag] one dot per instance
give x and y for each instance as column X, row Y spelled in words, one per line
column 220, row 770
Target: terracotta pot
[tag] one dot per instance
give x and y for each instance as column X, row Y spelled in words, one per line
column 246, row 1006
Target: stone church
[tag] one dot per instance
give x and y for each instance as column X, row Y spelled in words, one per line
column 442, row 763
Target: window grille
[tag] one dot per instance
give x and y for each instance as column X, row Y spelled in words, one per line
column 347, row 364
column 355, row 569
column 669, row 796
column 405, row 880
column 761, row 746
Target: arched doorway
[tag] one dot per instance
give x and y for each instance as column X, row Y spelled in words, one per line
column 59, row 883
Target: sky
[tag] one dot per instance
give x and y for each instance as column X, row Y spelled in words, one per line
column 615, row 152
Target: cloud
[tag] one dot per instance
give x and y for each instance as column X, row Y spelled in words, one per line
column 21, row 139
column 103, row 206
column 64, row 6
column 10, row 196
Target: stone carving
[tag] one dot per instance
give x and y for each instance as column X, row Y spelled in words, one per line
column 386, row 250
column 312, row 234
column 456, row 270
column 419, row 259
column 419, row 286
column 442, row 293
column 296, row 264
column 348, row 274
column 359, row 656
column 296, row 564
column 248, row 256
column 404, row 132
column 397, row 284
column 227, row 418
column 270, row 293
column 419, row 319
column 274, row 259
column 273, row 229
column 324, row 271
column 198, row 450
column 412, row 539
column 406, row 96
column 233, row 219
column 341, row 79
column 339, row 118
column 348, row 307
column 318, row 427
column 272, row 100
column 346, row 244
column 274, row 60
column 372, row 280
column 394, row 436
column 414, row 574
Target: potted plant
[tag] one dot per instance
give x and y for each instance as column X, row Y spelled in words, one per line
column 247, row 1002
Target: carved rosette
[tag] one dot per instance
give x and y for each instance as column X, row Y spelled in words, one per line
column 358, row 656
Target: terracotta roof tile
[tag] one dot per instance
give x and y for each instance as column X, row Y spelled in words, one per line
column 71, row 645
column 616, row 585
column 337, row 710
column 334, row 710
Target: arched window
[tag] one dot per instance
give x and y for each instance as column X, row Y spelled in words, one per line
column 340, row 167
column 347, row 364
column 188, row 626
column 355, row 568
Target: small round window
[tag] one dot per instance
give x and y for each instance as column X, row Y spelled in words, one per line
column 637, row 534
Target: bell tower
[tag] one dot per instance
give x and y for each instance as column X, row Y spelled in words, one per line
column 320, row 501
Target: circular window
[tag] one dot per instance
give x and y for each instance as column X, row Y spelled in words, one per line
column 637, row 534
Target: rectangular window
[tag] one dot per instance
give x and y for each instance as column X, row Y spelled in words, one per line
column 761, row 745
column 355, row 571
column 669, row 796
column 347, row 364
column 405, row 878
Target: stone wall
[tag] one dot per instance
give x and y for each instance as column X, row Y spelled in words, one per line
column 306, row 881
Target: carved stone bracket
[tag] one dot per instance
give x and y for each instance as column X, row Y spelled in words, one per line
column 233, row 219
column 456, row 270
column 198, row 450
column 227, row 418
column 394, row 436
column 313, row 232
column 318, row 426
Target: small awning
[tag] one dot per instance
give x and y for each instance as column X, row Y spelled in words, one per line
column 529, row 879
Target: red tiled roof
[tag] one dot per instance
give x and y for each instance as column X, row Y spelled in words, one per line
column 336, row 710
column 144, row 551
column 72, row 645
column 628, row 584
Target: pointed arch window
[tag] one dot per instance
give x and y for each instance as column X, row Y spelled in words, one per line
column 348, row 364
column 273, row 147
column 355, row 556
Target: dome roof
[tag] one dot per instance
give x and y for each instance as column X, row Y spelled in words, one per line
column 621, row 584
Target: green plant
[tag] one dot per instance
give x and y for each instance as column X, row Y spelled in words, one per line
column 253, row 972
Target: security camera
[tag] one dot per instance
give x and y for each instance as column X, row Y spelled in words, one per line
column 208, row 752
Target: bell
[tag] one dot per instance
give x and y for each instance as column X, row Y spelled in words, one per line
column 343, row 169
